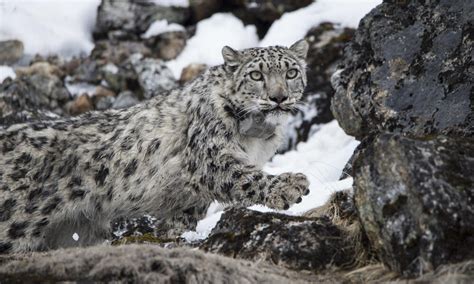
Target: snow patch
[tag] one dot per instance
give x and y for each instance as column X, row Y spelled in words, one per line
column 75, row 237
column 205, row 226
column 162, row 26
column 61, row 27
column 5, row 72
column 293, row 26
column 171, row 3
column 211, row 35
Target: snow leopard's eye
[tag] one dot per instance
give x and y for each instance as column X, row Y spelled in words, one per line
column 255, row 75
column 291, row 74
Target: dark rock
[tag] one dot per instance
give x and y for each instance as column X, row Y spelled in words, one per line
column 125, row 99
column 167, row 45
column 153, row 75
column 140, row 264
column 10, row 51
column 133, row 227
column 128, row 19
column 415, row 200
column 326, row 44
column 289, row 241
column 262, row 13
column 88, row 71
column 409, row 70
column 201, row 9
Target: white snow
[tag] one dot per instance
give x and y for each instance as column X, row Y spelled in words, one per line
column 205, row 226
column 77, row 89
column 162, row 26
column 5, row 72
column 293, row 26
column 75, row 237
column 211, row 35
column 168, row 3
column 322, row 159
column 49, row 26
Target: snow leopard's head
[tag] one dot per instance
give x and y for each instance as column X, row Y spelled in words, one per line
column 270, row 80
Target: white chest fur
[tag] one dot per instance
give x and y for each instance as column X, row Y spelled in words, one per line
column 259, row 151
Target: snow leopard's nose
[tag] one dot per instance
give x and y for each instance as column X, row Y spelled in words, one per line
column 278, row 97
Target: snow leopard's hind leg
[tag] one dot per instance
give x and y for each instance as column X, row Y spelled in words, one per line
column 174, row 227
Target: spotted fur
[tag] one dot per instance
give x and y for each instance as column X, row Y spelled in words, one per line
column 169, row 157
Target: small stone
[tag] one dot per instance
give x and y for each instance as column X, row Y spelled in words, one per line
column 10, row 51
column 167, row 45
column 192, row 71
column 125, row 99
column 103, row 98
column 104, row 103
column 154, row 76
column 81, row 104
column 103, row 92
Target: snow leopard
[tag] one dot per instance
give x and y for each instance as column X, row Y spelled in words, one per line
column 169, row 157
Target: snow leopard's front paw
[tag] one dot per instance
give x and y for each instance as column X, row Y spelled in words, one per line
column 286, row 189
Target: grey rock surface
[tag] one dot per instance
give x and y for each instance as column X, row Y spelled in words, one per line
column 288, row 241
column 415, row 200
column 139, row 264
column 409, row 70
column 125, row 99
column 128, row 19
column 153, row 75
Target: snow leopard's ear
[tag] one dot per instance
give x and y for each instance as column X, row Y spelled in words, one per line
column 300, row 48
column 231, row 56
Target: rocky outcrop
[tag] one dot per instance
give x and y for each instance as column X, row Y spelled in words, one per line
column 128, row 19
column 139, row 264
column 326, row 45
column 409, row 70
column 289, row 241
column 415, row 200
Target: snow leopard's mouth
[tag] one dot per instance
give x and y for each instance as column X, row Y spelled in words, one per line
column 280, row 109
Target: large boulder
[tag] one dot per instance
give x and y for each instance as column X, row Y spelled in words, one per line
column 415, row 200
column 139, row 264
column 289, row 241
column 409, row 70
column 128, row 19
